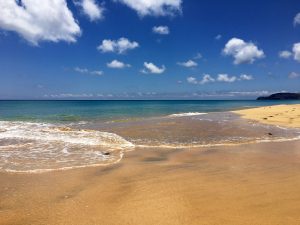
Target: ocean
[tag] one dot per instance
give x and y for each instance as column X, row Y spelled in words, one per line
column 41, row 136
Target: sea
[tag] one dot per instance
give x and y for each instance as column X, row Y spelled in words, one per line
column 42, row 136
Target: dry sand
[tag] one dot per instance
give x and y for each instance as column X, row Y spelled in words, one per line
column 282, row 115
column 247, row 184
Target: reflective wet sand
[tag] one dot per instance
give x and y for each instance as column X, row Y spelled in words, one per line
column 246, row 184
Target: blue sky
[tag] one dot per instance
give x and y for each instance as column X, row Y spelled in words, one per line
column 157, row 49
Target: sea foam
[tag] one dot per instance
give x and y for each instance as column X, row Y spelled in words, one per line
column 40, row 147
column 186, row 114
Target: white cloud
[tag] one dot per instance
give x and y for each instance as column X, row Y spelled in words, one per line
column 297, row 19
column 207, row 79
column 50, row 20
column 245, row 77
column 81, row 70
column 86, row 71
column 285, row 54
column 154, row 7
column 119, row 46
column 151, row 68
column 69, row 95
column 96, row 72
column 218, row 37
column 161, row 30
column 192, row 80
column 189, row 63
column 226, row 78
column 296, row 51
column 249, row 93
column 242, row 52
column 117, row 64
column 294, row 75
column 91, row 9
column 198, row 56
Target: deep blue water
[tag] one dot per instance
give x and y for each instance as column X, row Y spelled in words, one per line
column 69, row 111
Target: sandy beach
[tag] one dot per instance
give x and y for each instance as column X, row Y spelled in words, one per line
column 282, row 115
column 243, row 184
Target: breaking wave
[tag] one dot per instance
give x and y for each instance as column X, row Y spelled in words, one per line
column 37, row 147
column 187, row 114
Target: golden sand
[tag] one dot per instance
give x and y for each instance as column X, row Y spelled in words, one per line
column 247, row 184
column 282, row 115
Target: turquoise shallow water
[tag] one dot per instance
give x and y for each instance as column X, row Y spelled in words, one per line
column 74, row 111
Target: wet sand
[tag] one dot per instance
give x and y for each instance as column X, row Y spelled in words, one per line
column 282, row 115
column 247, row 184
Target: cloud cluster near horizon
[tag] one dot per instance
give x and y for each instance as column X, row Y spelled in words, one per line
column 87, row 71
column 156, row 95
column 206, row 78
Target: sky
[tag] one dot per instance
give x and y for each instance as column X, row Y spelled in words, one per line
column 148, row 49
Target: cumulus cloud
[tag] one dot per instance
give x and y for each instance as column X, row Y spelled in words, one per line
column 206, row 78
column 189, row 63
column 91, row 9
column 119, row 46
column 164, row 30
column 285, row 54
column 152, row 68
column 245, row 77
column 87, row 71
column 226, row 78
column 296, row 51
column 154, row 7
column 117, row 64
column 294, row 75
column 297, row 19
column 192, row 80
column 50, row 20
column 242, row 52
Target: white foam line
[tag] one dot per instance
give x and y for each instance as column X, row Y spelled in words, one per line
column 218, row 144
column 186, row 114
column 39, row 171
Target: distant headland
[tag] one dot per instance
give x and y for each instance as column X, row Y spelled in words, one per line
column 281, row 96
